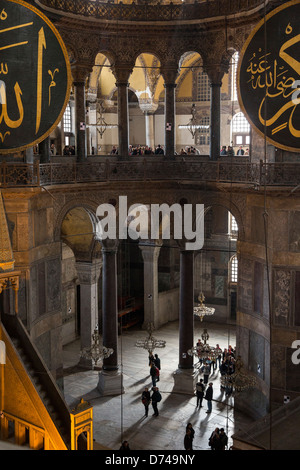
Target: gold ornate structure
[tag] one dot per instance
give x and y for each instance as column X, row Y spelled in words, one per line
column 82, row 423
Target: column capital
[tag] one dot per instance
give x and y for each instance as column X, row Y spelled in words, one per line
column 109, row 246
column 122, row 74
column 80, row 73
column 216, row 72
column 169, row 75
column 150, row 250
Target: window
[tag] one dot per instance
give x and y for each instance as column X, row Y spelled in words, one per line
column 67, row 119
column 233, row 226
column 202, row 134
column 240, row 130
column 203, row 88
column 234, row 64
column 234, row 269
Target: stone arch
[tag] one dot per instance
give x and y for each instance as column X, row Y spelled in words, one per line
column 234, row 207
column 88, row 206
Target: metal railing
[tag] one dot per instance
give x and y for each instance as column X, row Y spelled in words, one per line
column 49, row 174
column 166, row 12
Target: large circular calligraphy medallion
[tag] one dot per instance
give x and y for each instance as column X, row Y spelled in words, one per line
column 35, row 76
column 268, row 77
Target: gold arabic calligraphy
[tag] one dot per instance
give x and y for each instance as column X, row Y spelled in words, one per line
column 278, row 81
column 4, row 70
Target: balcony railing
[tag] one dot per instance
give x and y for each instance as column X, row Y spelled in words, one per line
column 166, row 12
column 49, row 174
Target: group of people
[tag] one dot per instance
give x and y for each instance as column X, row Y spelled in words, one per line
column 140, row 150
column 229, row 151
column 69, row 150
column 218, row 439
column 155, row 397
column 189, row 151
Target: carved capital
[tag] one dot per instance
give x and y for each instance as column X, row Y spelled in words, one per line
column 122, row 73
column 169, row 75
column 80, row 74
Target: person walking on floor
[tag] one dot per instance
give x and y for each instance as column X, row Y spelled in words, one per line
column 206, row 372
column 200, row 393
column 214, row 440
column 155, row 398
column 223, row 439
column 209, row 397
column 157, row 361
column 189, row 427
column 188, row 441
column 146, row 400
column 154, row 372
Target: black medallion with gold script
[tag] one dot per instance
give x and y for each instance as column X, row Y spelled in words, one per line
column 268, row 77
column 35, row 76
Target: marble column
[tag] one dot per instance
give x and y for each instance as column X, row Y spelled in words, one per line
column 110, row 379
column 215, row 67
column 80, row 75
column 88, row 275
column 170, row 119
column 150, row 141
column 169, row 74
column 185, row 376
column 150, row 252
column 215, row 120
column 122, row 74
column 44, row 150
column 149, row 109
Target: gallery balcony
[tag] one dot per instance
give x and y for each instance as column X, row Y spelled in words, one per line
column 109, row 169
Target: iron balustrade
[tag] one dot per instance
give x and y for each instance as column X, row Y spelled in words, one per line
column 146, row 12
column 13, row 175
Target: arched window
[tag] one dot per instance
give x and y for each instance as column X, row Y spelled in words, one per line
column 240, row 130
column 233, row 226
column 234, row 64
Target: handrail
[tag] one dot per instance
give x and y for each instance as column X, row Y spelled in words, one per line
column 48, row 174
column 165, row 12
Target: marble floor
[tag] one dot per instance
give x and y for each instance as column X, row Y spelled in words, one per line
column 117, row 418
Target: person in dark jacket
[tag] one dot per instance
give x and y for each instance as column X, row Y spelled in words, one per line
column 200, row 392
column 146, row 400
column 154, row 372
column 125, row 446
column 157, row 361
column 155, row 398
column 209, row 397
column 188, row 441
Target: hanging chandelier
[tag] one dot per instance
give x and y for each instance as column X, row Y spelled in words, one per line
column 239, row 380
column 96, row 352
column 201, row 308
column 101, row 124
column 150, row 343
column 193, row 125
column 204, row 350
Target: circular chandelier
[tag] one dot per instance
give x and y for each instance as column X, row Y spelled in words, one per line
column 96, row 352
column 239, row 380
column 204, row 350
column 150, row 343
column 201, row 310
